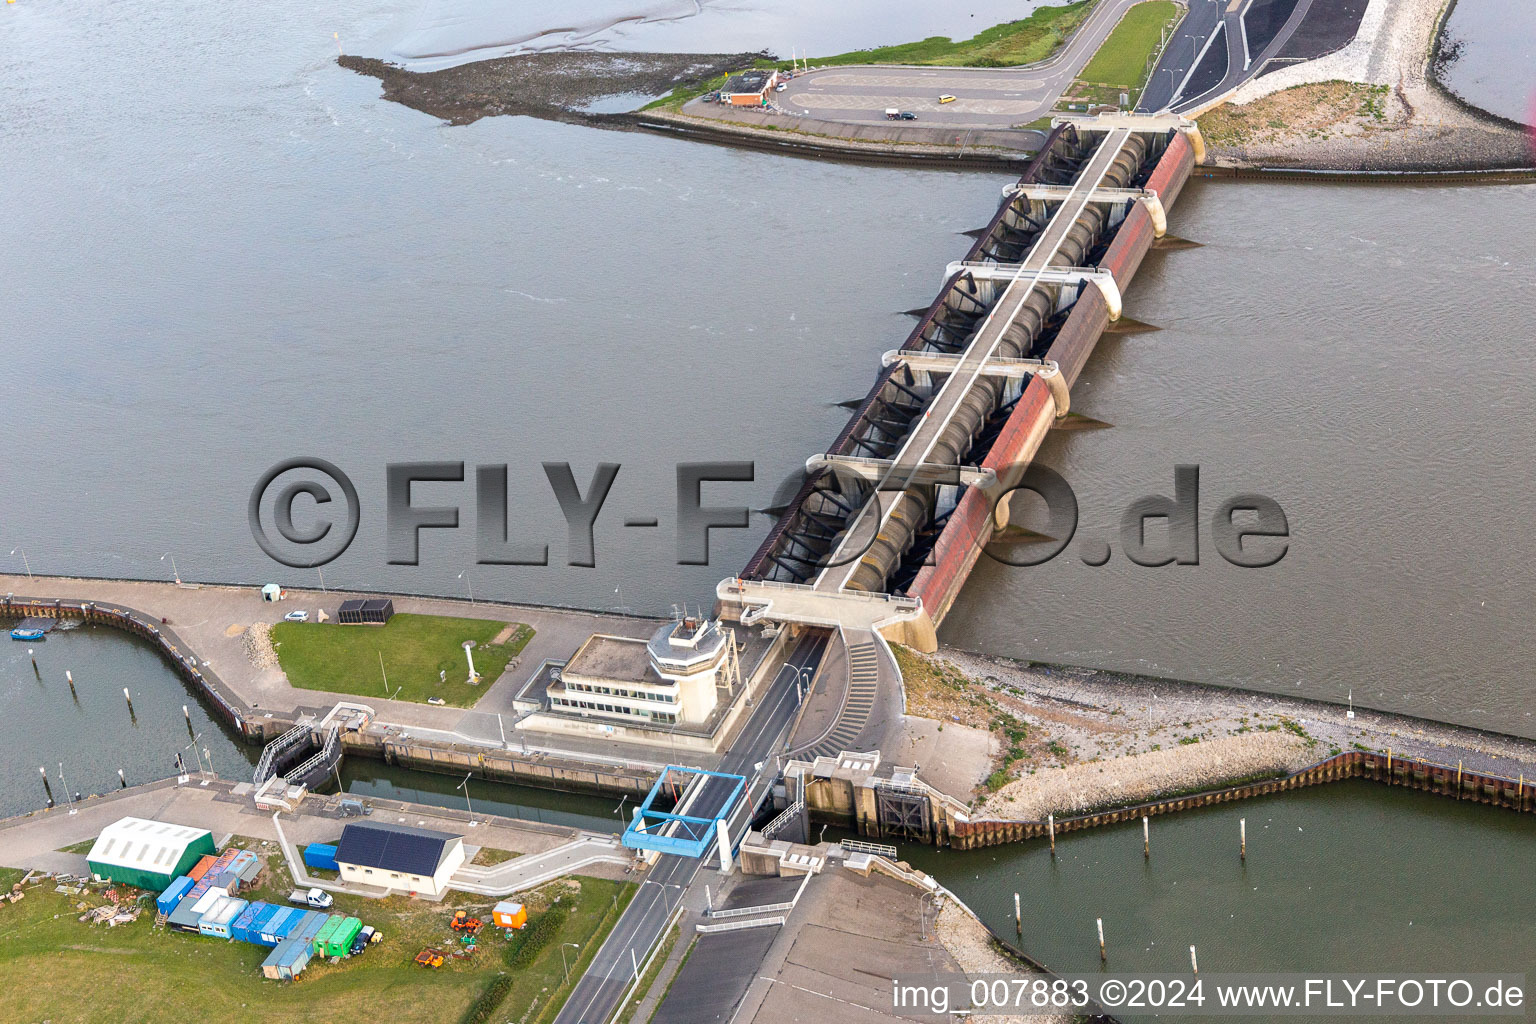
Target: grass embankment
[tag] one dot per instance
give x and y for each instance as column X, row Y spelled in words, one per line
column 1025, row 41
column 1317, row 111
column 1124, row 61
column 648, row 979
column 938, row 690
column 60, row 970
column 414, row 648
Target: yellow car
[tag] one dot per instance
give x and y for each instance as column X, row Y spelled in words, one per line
column 946, row 98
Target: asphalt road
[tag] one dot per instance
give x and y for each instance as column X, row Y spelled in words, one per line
column 1211, row 25
column 984, row 97
column 597, row 994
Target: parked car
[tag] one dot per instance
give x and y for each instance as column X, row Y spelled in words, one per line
column 946, row 98
column 317, row 898
column 907, row 115
column 361, row 940
column 297, row 616
column 781, row 87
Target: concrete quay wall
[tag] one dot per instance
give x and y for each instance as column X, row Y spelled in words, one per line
column 1517, row 795
column 202, row 678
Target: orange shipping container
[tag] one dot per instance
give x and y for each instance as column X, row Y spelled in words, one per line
column 201, row 868
column 507, row 914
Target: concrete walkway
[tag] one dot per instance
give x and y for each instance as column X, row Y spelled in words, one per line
column 527, row 872
column 33, row 840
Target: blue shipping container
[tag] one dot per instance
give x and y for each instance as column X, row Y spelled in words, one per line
column 257, row 926
column 281, row 925
column 167, row 901
column 289, row 958
column 218, row 919
column 321, row 855
column 243, row 929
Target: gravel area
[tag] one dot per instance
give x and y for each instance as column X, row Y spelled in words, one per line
column 258, row 645
column 1079, row 788
column 969, row 942
column 1078, row 716
column 1417, row 124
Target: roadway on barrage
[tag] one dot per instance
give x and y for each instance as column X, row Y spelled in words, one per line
column 608, row 977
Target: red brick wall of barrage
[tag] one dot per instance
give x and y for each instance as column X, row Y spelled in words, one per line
column 970, row 526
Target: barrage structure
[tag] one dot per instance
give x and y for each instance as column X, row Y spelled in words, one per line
column 893, row 515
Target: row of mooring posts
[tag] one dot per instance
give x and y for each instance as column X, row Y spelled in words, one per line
column 69, row 677
column 122, row 778
column 1146, row 853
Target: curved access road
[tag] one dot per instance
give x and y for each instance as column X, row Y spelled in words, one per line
column 1213, row 32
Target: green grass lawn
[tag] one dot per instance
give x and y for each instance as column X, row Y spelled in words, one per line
column 414, row 648
column 83, row 846
column 1025, row 41
column 489, row 857
column 60, row 970
column 1125, row 59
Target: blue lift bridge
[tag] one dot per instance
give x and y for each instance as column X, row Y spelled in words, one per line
column 701, row 801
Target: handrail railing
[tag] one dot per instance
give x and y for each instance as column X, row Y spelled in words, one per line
column 291, row 738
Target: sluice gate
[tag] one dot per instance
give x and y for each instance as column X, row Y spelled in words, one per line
column 890, row 519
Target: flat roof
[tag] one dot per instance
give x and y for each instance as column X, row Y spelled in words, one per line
column 746, row 82
column 619, row 658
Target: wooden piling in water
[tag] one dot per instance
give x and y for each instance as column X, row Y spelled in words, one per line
column 1146, row 838
column 1242, row 839
column 1103, row 956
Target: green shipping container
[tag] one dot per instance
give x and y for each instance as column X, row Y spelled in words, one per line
column 323, row 936
column 339, row 943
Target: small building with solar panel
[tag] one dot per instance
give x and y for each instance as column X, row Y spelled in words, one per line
column 414, row 860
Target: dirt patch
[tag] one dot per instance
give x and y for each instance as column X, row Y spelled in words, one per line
column 555, row 86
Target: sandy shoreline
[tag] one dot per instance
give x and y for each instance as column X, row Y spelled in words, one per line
column 1090, row 733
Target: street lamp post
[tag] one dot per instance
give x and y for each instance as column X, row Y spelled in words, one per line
column 27, row 564
column 68, row 796
column 574, row 945
column 175, row 572
column 465, row 787
column 470, row 582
